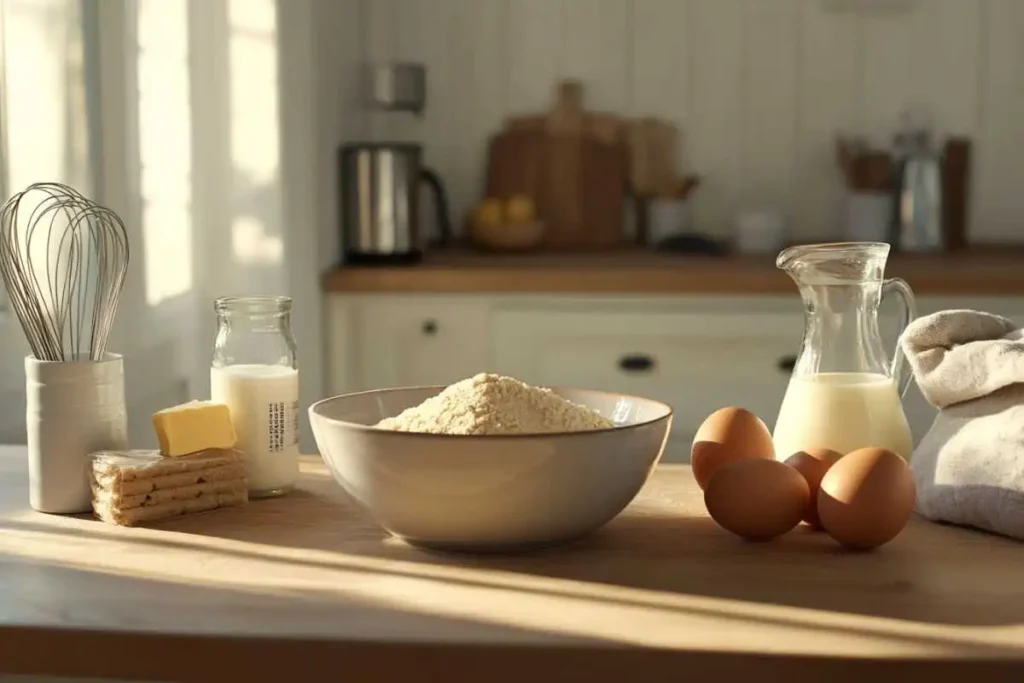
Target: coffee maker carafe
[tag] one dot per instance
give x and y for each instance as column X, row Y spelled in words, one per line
column 379, row 211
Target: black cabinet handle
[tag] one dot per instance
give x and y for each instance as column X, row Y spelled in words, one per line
column 430, row 327
column 786, row 364
column 636, row 363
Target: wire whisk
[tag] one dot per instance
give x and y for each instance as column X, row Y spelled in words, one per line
column 63, row 261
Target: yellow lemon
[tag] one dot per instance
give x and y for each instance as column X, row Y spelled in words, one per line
column 519, row 209
column 488, row 213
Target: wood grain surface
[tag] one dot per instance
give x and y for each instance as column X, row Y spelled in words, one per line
column 644, row 272
column 306, row 588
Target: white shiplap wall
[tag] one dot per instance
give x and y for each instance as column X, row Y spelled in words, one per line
column 759, row 87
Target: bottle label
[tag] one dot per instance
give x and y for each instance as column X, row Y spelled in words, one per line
column 282, row 425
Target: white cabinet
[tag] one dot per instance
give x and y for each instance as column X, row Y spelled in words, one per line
column 694, row 361
column 696, row 353
column 406, row 341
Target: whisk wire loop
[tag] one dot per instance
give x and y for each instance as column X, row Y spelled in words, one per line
column 63, row 262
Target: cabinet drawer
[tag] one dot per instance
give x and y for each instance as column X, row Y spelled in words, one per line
column 420, row 342
column 696, row 362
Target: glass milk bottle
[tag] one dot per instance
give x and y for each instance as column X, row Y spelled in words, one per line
column 846, row 390
column 255, row 373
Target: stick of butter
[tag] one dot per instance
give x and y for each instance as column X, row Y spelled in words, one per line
column 194, row 426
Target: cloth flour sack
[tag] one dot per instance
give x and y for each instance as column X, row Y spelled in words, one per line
column 969, row 468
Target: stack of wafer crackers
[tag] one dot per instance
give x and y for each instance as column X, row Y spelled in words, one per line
column 196, row 469
column 135, row 487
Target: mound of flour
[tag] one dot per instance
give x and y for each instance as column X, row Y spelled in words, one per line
column 492, row 404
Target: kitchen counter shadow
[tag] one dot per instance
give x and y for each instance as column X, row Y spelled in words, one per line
column 308, row 578
column 665, row 542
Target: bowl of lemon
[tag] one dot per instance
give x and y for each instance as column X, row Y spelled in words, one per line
column 506, row 224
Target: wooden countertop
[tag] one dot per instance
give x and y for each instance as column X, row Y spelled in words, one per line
column 303, row 587
column 989, row 272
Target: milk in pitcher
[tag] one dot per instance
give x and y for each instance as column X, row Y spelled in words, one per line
column 845, row 392
column 842, row 411
column 264, row 404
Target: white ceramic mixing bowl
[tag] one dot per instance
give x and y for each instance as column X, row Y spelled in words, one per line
column 481, row 493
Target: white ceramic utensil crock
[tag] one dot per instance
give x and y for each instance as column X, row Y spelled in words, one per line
column 71, row 410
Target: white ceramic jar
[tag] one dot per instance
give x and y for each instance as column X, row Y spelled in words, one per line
column 760, row 230
column 71, row 410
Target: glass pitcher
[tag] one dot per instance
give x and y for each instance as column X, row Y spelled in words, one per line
column 845, row 392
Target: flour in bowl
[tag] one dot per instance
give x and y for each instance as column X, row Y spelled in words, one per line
column 492, row 404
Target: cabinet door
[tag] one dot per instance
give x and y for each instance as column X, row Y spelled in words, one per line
column 695, row 362
column 416, row 341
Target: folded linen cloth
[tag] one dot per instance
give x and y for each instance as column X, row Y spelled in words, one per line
column 969, row 467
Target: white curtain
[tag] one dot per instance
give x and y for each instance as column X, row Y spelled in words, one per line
column 44, row 135
column 43, row 100
column 167, row 111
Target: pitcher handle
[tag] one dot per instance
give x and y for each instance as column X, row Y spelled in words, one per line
column 900, row 370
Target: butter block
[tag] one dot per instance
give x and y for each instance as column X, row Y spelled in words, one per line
column 194, row 426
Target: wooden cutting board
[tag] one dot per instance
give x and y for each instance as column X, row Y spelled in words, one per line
column 564, row 187
column 652, row 150
column 582, row 201
column 604, row 169
column 573, row 165
column 517, row 164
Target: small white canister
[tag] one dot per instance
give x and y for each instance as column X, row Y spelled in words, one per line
column 760, row 230
column 71, row 410
column 667, row 217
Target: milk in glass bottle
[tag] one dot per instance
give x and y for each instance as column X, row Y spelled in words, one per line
column 846, row 391
column 255, row 372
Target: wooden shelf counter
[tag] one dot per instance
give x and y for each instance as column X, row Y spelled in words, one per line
column 988, row 273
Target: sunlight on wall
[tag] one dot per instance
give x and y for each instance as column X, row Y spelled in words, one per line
column 256, row 226
column 251, row 245
column 47, row 136
column 165, row 147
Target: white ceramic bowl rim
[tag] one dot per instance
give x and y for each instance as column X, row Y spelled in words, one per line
column 363, row 427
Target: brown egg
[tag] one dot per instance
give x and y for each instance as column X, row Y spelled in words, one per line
column 866, row 498
column 757, row 499
column 813, row 463
column 728, row 434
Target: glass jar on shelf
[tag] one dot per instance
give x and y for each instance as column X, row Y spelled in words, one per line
column 255, row 373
